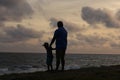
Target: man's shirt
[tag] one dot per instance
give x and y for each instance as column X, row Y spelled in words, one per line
column 61, row 38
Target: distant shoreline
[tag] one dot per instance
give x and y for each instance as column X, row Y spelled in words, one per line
column 92, row 73
column 54, row 53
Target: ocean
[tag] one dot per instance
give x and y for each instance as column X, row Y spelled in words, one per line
column 32, row 62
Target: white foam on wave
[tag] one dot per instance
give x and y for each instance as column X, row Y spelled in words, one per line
column 20, row 69
column 72, row 66
column 3, row 70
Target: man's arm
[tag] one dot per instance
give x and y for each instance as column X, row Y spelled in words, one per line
column 53, row 39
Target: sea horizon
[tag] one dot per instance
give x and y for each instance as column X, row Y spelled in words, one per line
column 66, row 53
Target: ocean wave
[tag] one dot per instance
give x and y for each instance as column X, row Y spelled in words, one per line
column 36, row 62
column 20, row 69
column 72, row 66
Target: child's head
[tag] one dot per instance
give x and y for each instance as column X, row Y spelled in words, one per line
column 46, row 45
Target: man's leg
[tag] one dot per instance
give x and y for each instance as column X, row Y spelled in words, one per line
column 62, row 59
column 48, row 68
column 57, row 59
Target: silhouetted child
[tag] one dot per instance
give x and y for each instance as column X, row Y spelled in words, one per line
column 49, row 59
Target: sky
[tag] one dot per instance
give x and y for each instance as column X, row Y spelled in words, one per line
column 93, row 25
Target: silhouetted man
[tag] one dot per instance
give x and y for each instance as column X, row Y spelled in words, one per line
column 60, row 36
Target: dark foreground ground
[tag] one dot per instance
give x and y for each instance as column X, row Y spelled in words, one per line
column 93, row 73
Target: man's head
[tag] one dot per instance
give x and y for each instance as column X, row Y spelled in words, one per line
column 60, row 24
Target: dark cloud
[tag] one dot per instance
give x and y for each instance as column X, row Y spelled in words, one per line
column 94, row 40
column 20, row 47
column 18, row 33
column 53, row 22
column 118, row 15
column 71, row 27
column 93, row 16
column 9, row 3
column 14, row 10
column 115, row 45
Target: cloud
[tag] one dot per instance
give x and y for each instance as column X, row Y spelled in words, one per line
column 92, row 40
column 53, row 22
column 14, row 10
column 78, row 39
column 115, row 45
column 87, row 41
column 118, row 15
column 18, row 33
column 71, row 27
column 94, row 16
column 21, row 47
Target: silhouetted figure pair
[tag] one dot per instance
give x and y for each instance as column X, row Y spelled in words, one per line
column 60, row 36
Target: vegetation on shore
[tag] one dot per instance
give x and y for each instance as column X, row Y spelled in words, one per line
column 92, row 73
